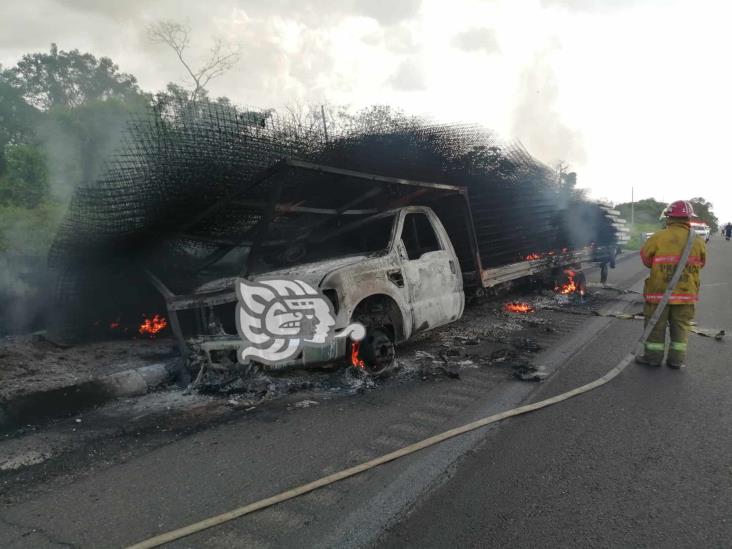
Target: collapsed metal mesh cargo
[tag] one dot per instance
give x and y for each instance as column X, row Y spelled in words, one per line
column 191, row 180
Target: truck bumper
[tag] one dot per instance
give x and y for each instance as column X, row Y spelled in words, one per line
column 309, row 356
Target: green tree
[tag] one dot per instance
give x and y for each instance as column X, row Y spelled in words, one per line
column 69, row 79
column 17, row 118
column 25, row 181
column 703, row 210
column 647, row 219
column 176, row 95
column 646, row 212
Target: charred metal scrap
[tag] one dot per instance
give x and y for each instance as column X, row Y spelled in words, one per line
column 202, row 191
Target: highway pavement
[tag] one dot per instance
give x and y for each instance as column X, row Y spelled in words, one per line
column 122, row 475
column 645, row 461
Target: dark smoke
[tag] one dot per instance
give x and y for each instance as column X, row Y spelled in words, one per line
column 182, row 159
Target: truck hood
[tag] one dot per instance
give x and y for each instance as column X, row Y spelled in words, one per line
column 310, row 273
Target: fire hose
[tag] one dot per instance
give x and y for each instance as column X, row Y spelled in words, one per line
column 292, row 493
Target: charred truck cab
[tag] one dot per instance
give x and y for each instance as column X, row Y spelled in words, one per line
column 395, row 255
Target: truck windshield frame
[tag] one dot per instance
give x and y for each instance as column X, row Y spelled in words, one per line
column 370, row 235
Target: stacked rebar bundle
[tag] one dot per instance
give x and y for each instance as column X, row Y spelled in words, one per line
column 515, row 201
column 180, row 159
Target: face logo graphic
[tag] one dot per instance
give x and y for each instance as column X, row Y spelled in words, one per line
column 276, row 318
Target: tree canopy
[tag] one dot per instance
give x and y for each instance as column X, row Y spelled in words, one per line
column 17, row 118
column 703, row 210
column 646, row 212
column 25, row 181
column 649, row 211
column 68, row 79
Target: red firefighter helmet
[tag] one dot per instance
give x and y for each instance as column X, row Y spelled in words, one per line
column 680, row 208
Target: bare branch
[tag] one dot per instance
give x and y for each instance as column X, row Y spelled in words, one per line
column 177, row 36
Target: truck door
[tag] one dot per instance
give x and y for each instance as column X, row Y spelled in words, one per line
column 432, row 273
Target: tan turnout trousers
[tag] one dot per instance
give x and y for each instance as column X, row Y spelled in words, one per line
column 678, row 319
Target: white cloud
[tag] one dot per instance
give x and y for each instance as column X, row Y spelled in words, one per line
column 630, row 93
column 409, row 76
column 595, row 5
column 477, row 39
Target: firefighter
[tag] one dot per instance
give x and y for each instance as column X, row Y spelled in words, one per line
column 661, row 253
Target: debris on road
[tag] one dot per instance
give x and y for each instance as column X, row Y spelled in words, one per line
column 718, row 335
column 487, row 336
column 305, row 404
column 530, row 373
column 527, row 344
column 713, row 333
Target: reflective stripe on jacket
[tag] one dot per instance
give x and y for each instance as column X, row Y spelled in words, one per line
column 661, row 253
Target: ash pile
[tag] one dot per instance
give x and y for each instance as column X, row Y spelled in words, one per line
column 188, row 192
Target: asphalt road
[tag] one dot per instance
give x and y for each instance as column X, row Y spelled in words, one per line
column 118, row 478
column 645, row 461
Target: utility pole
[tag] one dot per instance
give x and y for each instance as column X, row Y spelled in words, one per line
column 632, row 207
column 325, row 127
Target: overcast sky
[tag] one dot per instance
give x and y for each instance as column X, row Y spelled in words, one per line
column 629, row 93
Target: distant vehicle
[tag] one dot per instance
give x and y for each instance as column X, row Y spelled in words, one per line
column 702, row 229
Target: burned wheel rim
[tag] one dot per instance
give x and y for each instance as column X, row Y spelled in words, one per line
column 376, row 350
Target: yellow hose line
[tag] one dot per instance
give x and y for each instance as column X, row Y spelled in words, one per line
column 210, row 522
column 346, row 473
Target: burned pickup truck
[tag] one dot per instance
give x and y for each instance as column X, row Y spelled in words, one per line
column 396, row 222
column 398, row 257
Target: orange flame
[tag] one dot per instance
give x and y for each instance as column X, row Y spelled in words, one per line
column 355, row 360
column 151, row 326
column 570, row 286
column 532, row 256
column 518, row 308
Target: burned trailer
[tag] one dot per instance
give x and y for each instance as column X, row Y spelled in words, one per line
column 394, row 254
column 395, row 224
column 523, row 224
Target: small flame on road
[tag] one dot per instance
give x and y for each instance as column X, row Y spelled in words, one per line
column 533, row 256
column 151, row 326
column 570, row 286
column 355, row 359
column 517, row 307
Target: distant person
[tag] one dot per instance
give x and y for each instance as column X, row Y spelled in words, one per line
column 728, row 231
column 661, row 253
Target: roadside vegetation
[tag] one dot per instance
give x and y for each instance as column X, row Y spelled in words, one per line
column 62, row 112
column 647, row 216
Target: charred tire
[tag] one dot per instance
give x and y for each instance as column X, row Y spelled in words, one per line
column 377, row 351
